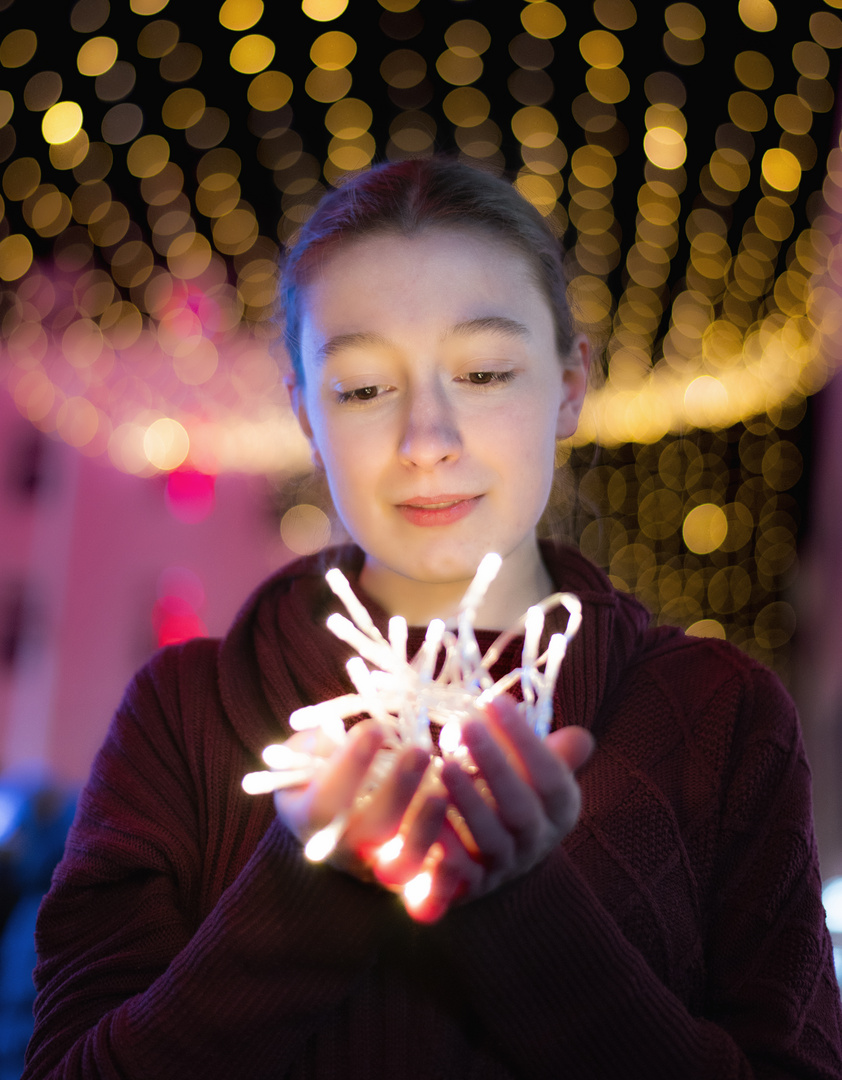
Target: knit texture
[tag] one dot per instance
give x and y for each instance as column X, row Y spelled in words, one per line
column 677, row 932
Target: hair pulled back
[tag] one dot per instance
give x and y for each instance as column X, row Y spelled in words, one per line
column 408, row 197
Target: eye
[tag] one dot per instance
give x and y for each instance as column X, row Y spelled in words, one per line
column 360, row 393
column 489, row 378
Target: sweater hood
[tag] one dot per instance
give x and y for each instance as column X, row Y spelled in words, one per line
column 279, row 655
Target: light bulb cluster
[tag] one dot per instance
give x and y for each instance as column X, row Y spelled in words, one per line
column 405, row 696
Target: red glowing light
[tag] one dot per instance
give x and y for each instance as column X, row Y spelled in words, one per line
column 178, row 581
column 175, row 621
column 190, row 495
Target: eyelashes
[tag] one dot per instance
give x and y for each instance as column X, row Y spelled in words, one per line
column 360, row 395
column 488, row 378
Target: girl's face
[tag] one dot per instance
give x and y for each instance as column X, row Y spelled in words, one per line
column 434, row 396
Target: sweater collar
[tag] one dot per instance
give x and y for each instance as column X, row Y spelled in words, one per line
column 279, row 654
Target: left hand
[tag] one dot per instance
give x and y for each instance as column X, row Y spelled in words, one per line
column 534, row 803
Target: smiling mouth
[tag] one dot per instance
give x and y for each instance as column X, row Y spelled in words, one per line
column 438, row 510
column 436, row 502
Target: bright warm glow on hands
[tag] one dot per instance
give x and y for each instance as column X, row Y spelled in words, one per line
column 521, row 802
column 380, row 804
column 534, row 796
column 520, row 805
column 394, row 809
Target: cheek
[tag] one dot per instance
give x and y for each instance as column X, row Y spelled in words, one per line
column 349, row 449
column 526, row 452
column 327, row 433
column 527, row 434
column 351, row 465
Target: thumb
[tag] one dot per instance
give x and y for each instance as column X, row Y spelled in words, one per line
column 573, row 745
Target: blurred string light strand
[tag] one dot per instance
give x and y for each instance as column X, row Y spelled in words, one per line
column 154, row 164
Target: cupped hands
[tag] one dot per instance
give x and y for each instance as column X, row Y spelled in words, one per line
column 459, row 837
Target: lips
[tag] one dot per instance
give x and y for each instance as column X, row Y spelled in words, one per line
column 431, row 510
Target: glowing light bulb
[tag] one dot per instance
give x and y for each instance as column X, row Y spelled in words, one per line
column 390, row 850
column 416, row 891
column 322, row 843
column 450, row 737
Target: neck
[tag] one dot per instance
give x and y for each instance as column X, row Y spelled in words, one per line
column 523, row 580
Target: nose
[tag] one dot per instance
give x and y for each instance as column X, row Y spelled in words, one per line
column 430, row 434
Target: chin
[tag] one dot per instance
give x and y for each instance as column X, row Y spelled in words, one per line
column 442, row 568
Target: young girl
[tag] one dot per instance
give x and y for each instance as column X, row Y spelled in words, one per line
column 657, row 915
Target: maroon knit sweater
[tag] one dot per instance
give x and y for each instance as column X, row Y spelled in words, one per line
column 678, row 932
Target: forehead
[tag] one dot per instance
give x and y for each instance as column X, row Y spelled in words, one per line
column 437, row 276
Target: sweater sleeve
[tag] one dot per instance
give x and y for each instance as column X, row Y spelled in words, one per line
column 560, row 990
column 133, row 981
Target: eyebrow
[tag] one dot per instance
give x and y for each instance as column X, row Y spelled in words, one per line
column 360, row 340
column 494, row 324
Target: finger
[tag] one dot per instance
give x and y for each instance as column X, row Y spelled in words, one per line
column 380, row 818
column 573, row 745
column 402, row 859
column 518, row 806
column 449, row 875
column 549, row 773
column 335, row 789
column 528, row 753
column 548, row 804
column 494, row 844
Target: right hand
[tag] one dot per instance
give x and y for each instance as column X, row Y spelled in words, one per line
column 531, row 802
column 390, row 810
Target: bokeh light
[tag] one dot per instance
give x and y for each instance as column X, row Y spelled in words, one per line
column 759, row 15
column 252, row 53
column 190, row 497
column 61, row 122
column 305, row 529
column 323, row 10
column 705, row 528
column 240, row 14
column 543, row 20
column 15, row 257
column 166, row 444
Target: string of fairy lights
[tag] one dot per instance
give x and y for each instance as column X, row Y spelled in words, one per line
column 154, row 164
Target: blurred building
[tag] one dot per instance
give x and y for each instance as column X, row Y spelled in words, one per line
column 97, row 568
